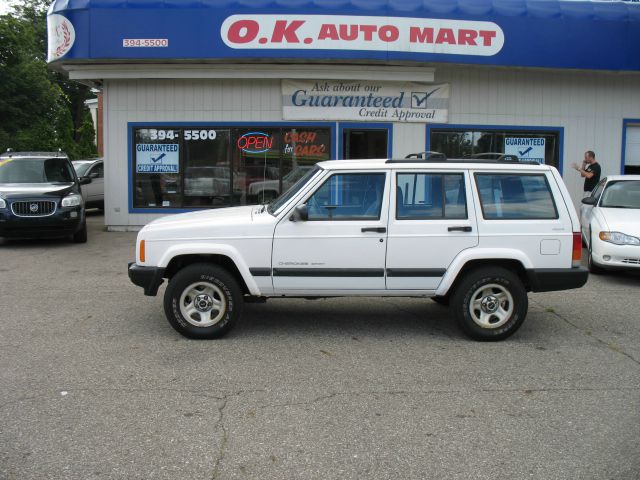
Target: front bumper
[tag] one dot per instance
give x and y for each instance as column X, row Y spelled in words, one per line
column 61, row 224
column 149, row 278
column 554, row 279
column 612, row 256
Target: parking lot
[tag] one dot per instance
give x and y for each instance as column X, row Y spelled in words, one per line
column 95, row 384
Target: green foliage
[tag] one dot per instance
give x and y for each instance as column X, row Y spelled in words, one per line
column 39, row 108
column 86, row 138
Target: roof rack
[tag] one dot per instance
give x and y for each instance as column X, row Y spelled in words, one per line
column 497, row 156
column 437, row 157
column 428, row 155
column 420, row 157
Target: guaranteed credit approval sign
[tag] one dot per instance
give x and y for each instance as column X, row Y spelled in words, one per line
column 337, row 32
column 365, row 101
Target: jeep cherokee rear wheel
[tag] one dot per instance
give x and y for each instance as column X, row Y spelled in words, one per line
column 202, row 301
column 490, row 304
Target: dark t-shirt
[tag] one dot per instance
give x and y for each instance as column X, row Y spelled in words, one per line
column 590, row 183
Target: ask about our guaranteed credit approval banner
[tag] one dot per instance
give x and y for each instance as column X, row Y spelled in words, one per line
column 365, row 101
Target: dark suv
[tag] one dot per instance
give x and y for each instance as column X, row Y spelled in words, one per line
column 40, row 196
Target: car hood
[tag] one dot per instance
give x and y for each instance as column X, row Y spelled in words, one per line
column 204, row 223
column 625, row 220
column 17, row 190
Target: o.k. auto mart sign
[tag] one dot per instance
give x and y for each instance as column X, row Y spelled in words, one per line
column 365, row 101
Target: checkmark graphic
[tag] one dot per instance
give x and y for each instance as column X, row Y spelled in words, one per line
column 419, row 99
column 524, row 152
column 158, row 158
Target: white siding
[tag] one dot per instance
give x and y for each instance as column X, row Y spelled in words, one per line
column 590, row 106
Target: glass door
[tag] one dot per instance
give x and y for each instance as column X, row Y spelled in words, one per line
column 360, row 143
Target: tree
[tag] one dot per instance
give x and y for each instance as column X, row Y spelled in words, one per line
column 39, row 108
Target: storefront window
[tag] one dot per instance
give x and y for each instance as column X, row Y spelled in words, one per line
column 528, row 145
column 206, row 167
column 157, row 168
column 302, row 149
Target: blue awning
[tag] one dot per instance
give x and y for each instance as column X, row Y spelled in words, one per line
column 525, row 33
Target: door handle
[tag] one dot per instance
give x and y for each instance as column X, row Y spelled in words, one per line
column 460, row 229
column 374, row 229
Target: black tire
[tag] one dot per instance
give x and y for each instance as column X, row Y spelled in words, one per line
column 593, row 268
column 506, row 283
column 223, row 288
column 444, row 300
column 81, row 235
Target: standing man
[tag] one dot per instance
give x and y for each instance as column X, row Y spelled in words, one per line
column 590, row 170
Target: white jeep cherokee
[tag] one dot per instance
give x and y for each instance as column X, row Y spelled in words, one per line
column 477, row 235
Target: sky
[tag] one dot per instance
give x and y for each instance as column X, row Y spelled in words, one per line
column 4, row 6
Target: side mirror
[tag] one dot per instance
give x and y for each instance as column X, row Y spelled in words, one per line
column 590, row 200
column 300, row 214
column 84, row 180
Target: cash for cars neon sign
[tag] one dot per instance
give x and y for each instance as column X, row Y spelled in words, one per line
column 255, row 142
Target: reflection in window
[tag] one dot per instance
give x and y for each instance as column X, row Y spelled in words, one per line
column 505, row 196
column 348, row 197
column 430, row 196
column 210, row 166
column 622, row 194
column 462, row 143
column 207, row 172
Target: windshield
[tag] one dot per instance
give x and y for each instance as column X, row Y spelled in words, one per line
column 82, row 167
column 35, row 170
column 292, row 191
column 621, row 194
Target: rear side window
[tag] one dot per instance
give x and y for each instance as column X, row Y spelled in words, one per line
column 515, row 197
column 424, row 196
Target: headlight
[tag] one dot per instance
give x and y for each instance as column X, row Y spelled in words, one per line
column 72, row 200
column 619, row 238
column 3, row 204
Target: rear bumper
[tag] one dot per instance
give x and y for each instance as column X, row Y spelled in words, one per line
column 149, row 278
column 554, row 279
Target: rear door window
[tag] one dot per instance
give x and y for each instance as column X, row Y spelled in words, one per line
column 515, row 196
column 424, row 196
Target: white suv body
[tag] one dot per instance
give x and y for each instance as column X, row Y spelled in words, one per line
column 378, row 228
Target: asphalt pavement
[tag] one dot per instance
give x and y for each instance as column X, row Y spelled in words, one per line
column 94, row 383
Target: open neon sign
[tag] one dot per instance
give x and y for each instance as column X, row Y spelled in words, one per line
column 255, row 142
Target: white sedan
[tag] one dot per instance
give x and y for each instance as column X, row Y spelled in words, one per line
column 610, row 220
column 93, row 192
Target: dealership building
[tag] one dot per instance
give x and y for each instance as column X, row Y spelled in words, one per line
column 212, row 103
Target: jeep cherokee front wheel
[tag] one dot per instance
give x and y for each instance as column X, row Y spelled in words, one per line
column 203, row 301
column 490, row 303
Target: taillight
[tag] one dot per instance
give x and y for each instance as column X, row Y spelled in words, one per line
column 141, row 251
column 577, row 249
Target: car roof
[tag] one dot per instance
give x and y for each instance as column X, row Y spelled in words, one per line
column 462, row 163
column 18, row 155
column 89, row 160
column 622, row 177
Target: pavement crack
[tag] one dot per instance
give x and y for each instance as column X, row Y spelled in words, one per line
column 222, row 450
column 611, row 346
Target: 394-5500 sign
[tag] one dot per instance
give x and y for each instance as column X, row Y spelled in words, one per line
column 199, row 134
column 188, row 134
